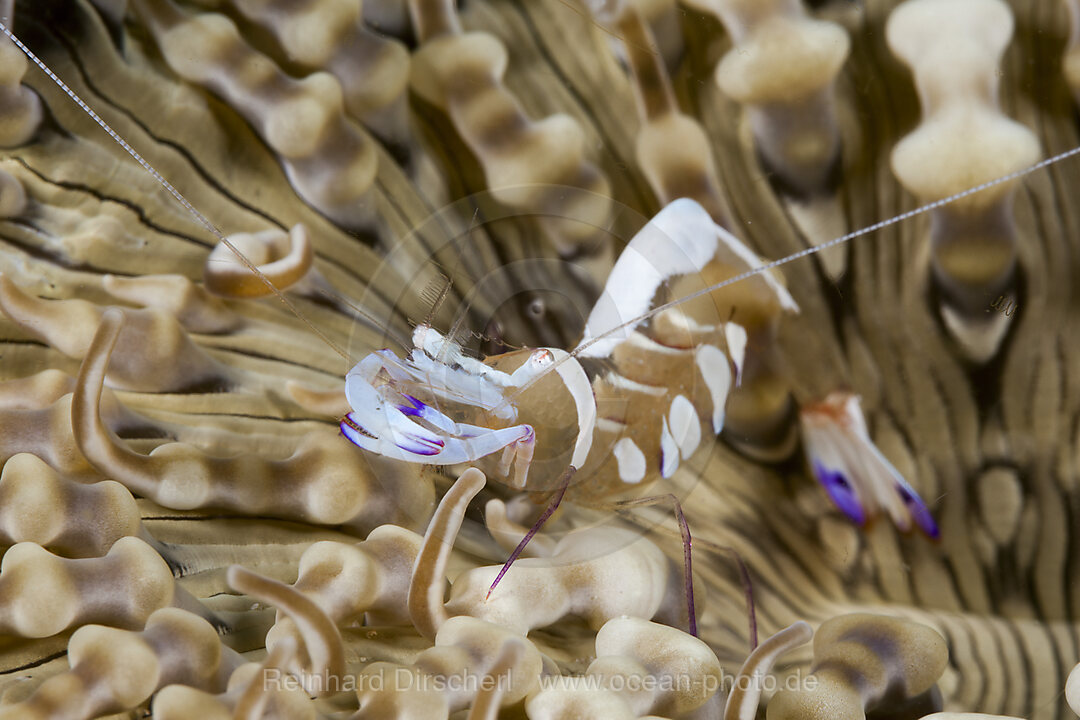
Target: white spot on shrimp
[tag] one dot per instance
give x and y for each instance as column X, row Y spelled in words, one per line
column 630, row 459
column 716, row 370
column 736, row 342
column 684, row 425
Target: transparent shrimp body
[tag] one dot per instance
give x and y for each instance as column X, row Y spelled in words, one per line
column 668, row 373
column 656, row 387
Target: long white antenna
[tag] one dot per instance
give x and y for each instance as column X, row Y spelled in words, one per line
column 922, row 209
column 838, row 241
column 172, row 190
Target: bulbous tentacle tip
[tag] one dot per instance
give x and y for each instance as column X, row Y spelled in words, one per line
column 1072, row 690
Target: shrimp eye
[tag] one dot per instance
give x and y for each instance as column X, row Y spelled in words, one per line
column 542, row 357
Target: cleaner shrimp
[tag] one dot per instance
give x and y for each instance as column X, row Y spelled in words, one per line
column 662, row 349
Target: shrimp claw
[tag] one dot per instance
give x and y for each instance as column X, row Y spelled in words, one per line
column 389, row 420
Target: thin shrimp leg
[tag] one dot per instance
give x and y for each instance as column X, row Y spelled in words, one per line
column 564, row 483
column 688, row 570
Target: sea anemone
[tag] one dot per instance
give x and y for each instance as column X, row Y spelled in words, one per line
column 188, row 535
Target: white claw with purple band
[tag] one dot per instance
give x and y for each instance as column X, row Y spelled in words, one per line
column 853, row 471
column 389, row 419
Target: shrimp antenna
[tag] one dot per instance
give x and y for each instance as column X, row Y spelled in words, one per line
column 177, row 195
column 434, row 293
column 765, row 267
column 921, row 210
column 366, row 317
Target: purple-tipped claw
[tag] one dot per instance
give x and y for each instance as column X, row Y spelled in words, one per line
column 418, row 449
column 841, row 492
column 418, row 445
column 359, row 436
column 354, row 431
column 415, row 409
column 919, row 512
